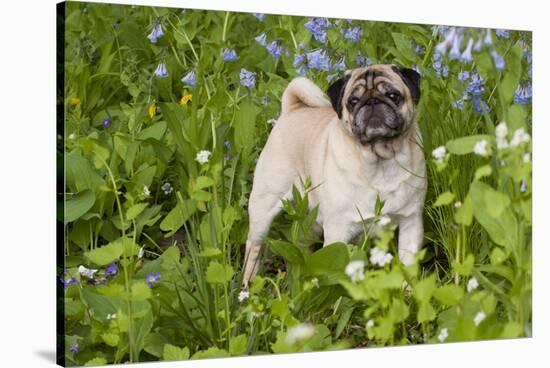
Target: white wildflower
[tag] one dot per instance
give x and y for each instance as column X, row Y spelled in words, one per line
column 301, row 331
column 111, row 316
column 379, row 257
column 141, row 252
column 370, row 323
column 472, row 284
column 86, row 272
column 243, row 295
column 502, row 143
column 480, row 316
column 526, row 157
column 520, row 136
column 443, row 334
column 256, row 314
column 501, row 131
column 71, row 136
column 384, row 220
column 272, row 121
column 356, row 270
column 480, row 148
column 203, row 156
column 167, row 188
column 458, row 204
column 146, row 191
column 439, row 154
column 315, row 282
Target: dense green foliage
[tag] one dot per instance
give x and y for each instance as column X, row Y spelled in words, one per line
column 164, row 224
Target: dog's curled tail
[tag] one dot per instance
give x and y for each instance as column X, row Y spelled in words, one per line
column 302, row 92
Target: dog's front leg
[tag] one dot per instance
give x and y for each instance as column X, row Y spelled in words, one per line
column 411, row 234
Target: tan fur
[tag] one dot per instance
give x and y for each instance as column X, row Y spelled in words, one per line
column 310, row 141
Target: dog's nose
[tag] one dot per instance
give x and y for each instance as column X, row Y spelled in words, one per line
column 372, row 101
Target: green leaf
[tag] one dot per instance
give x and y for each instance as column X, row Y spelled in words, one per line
column 444, row 199
column 171, row 352
column 399, row 311
column 464, row 268
column 237, row 345
column 178, row 215
column 203, row 182
column 449, row 294
column 140, row 329
column 465, row 213
column 141, row 291
column 219, row 273
column 464, row 145
column 135, row 210
column 155, row 131
column 209, row 252
column 244, row 126
column 288, row 251
column 95, row 361
column 404, row 45
column 212, row 352
column 110, row 339
column 424, row 289
column 507, row 87
column 483, row 171
column 78, row 205
column 106, row 254
column 426, row 313
column 328, row 262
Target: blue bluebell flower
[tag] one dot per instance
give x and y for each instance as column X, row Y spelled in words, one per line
column 229, row 55
column 298, row 59
column 69, row 282
column 261, row 39
column 528, row 56
column 530, row 71
column 466, row 56
column 459, row 104
column 441, row 48
column 274, row 49
column 190, row 79
column 302, row 70
column 502, row 33
column 340, row 65
column 455, row 53
column 480, row 105
column 152, row 278
column 488, row 39
column 463, row 76
column 524, row 94
column 318, row 59
column 318, row 27
column 363, row 60
column 438, row 67
column 475, row 87
column 523, row 186
column 259, row 16
column 227, row 145
column 331, row 77
column 419, row 49
column 74, row 348
column 111, row 269
column 161, row 71
column 247, row 78
column 156, row 33
column 498, row 60
column 478, row 45
column 106, row 122
column 353, row 34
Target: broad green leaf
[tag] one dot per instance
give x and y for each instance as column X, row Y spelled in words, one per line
column 178, row 215
column 512, row 75
column 237, row 345
column 78, row 205
column 465, row 213
column 399, row 311
column 288, row 251
column 244, row 126
column 106, row 254
column 95, row 361
column 219, row 273
column 203, row 182
column 171, row 352
column 464, row 268
column 404, row 45
column 483, row 171
column 140, row 329
column 424, row 289
column 209, row 252
column 449, row 294
column 426, row 313
column 110, row 339
column 464, row 145
column 155, row 131
column 212, row 352
column 444, row 199
column 141, row 291
column 135, row 210
column 329, row 261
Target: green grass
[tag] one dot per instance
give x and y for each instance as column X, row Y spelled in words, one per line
column 179, row 253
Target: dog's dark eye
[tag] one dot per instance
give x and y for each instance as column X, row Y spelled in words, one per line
column 394, row 96
column 353, row 101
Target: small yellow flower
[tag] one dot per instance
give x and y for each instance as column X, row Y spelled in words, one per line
column 152, row 110
column 75, row 101
column 185, row 99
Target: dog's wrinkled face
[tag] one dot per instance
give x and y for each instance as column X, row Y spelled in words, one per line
column 377, row 104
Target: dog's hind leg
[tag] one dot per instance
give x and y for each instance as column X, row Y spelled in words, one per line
column 262, row 209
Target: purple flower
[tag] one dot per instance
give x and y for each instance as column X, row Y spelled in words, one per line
column 523, row 186
column 475, row 87
column 353, row 34
column 259, row 16
column 74, row 348
column 363, row 60
column 156, row 33
column 331, row 77
column 459, row 104
column 454, row 54
column 524, row 94
column 111, row 269
column 298, row 59
column 466, row 56
column 478, row 45
column 318, row 59
column 229, row 55
column 261, row 39
column 247, row 78
column 106, row 122
column 302, row 70
column 488, row 39
column 440, row 68
column 275, row 49
column 69, row 282
column 318, row 27
column 418, row 49
column 152, row 278
column 480, row 105
column 161, row 71
column 190, row 78
column 498, row 60
column 463, row 76
column 340, row 65
column 502, row 33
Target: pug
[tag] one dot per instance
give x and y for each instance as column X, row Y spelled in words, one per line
column 360, row 143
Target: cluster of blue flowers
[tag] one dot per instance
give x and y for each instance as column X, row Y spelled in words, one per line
column 248, row 78
column 524, row 93
column 161, row 71
column 229, row 55
column 274, row 48
column 352, row 34
column 259, row 16
column 156, row 33
column 318, row 28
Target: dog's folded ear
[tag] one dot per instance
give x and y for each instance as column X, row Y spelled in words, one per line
column 411, row 79
column 335, row 92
